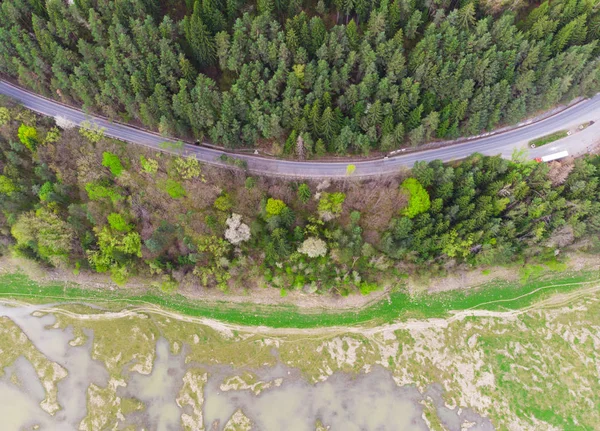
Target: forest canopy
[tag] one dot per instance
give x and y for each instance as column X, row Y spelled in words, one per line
column 88, row 203
column 305, row 78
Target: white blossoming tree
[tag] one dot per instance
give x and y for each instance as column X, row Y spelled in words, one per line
column 237, row 232
column 313, row 247
column 64, row 123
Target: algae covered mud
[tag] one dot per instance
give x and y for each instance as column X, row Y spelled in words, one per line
column 83, row 367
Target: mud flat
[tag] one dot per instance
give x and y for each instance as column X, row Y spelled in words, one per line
column 79, row 367
column 164, row 388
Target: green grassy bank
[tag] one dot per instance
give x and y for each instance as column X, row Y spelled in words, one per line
column 548, row 138
column 492, row 296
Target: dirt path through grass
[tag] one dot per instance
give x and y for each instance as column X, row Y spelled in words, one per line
column 227, row 329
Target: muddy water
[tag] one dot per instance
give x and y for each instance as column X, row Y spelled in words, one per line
column 367, row 402
column 159, row 389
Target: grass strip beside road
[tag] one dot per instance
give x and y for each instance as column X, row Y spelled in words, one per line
column 548, row 138
column 495, row 296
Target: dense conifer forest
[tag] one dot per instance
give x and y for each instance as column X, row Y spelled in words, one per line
column 306, row 77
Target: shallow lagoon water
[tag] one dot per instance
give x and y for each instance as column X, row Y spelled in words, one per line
column 159, row 390
column 344, row 402
column 367, row 402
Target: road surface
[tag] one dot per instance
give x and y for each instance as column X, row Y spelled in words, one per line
column 503, row 143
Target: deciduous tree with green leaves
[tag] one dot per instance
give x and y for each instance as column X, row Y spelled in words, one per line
column 418, row 198
column 28, row 136
column 274, row 207
column 112, row 162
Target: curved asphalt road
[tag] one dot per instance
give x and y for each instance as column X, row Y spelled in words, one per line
column 502, row 143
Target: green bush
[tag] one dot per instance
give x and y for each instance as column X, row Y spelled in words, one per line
column 7, row 186
column 92, row 132
column 28, row 136
column 366, row 288
column 187, row 168
column 112, row 162
column 115, row 251
column 97, row 191
column 168, row 285
column 332, row 202
column 45, row 191
column 118, row 222
column 418, row 198
column 46, row 234
column 173, row 188
column 150, row 166
column 223, row 202
column 52, row 136
column 119, row 274
column 211, row 221
column 274, row 207
column 4, row 116
column 250, row 183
